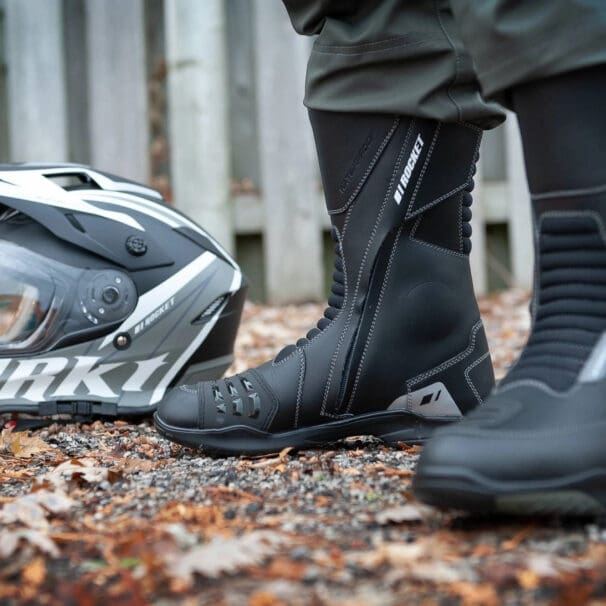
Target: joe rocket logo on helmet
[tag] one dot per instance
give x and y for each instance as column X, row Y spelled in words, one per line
column 82, row 317
column 155, row 315
column 58, row 377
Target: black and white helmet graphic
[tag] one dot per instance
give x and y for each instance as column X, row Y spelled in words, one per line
column 108, row 296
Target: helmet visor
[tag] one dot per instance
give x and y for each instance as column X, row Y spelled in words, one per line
column 23, row 308
column 43, row 301
column 33, row 292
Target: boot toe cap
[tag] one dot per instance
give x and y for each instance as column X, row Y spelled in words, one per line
column 520, row 442
column 180, row 407
column 461, row 470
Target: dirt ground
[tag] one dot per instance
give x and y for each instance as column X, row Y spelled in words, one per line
column 110, row 513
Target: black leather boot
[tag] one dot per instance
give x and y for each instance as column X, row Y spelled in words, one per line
column 537, row 445
column 401, row 348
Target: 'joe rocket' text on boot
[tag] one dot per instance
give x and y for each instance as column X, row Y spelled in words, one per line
column 410, row 165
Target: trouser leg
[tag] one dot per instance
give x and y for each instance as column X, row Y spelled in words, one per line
column 514, row 42
column 563, row 123
column 390, row 57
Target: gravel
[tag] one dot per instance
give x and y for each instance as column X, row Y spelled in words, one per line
column 339, row 509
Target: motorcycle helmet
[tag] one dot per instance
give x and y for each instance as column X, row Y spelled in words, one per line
column 108, row 296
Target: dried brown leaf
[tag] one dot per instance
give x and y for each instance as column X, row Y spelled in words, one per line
column 410, row 512
column 440, row 571
column 278, row 461
column 10, row 539
column 349, row 471
column 24, row 511
column 83, row 470
column 528, row 579
column 265, row 598
column 518, row 538
column 395, row 554
column 34, row 572
column 21, row 445
column 226, row 555
column 54, row 502
column 473, row 594
column 31, row 509
column 389, row 471
column 284, row 454
column 135, row 464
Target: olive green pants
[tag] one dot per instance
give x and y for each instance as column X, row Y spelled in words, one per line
column 450, row 60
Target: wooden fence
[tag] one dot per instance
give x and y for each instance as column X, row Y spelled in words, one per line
column 203, row 100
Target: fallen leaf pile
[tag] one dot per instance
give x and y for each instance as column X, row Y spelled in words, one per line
column 110, row 513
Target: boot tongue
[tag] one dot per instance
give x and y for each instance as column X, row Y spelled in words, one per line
column 335, row 303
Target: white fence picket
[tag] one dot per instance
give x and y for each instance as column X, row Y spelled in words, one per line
column 117, row 83
column 292, row 235
column 478, row 247
column 37, row 108
column 520, row 216
column 198, row 106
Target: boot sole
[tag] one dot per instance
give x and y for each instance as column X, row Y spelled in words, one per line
column 578, row 495
column 392, row 428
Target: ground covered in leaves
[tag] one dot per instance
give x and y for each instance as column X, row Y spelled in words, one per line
column 110, row 513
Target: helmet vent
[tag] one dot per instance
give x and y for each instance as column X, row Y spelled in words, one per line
column 75, row 223
column 73, row 181
column 210, row 310
column 10, row 215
